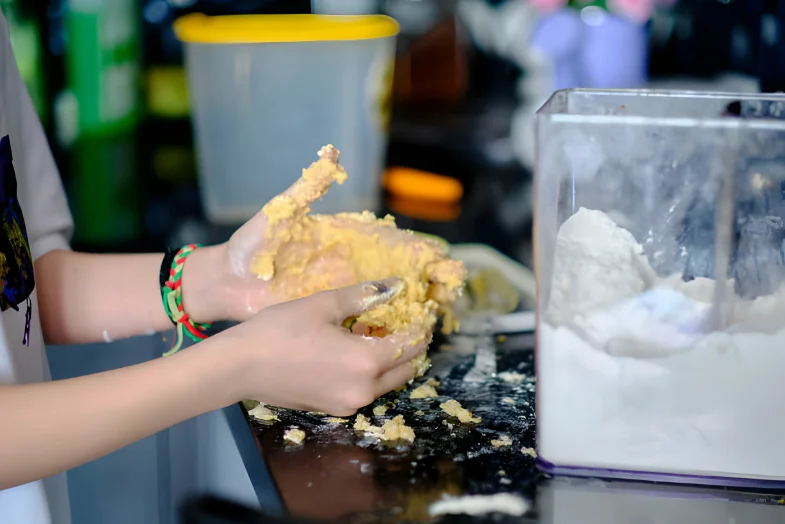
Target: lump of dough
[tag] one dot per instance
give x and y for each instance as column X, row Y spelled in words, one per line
column 427, row 390
column 392, row 430
column 529, row 451
column 453, row 408
column 380, row 410
column 262, row 412
column 294, row 436
column 502, row 442
column 305, row 254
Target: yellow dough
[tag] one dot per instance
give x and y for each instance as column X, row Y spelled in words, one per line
column 502, row 442
column 305, row 254
column 294, row 436
column 392, row 430
column 453, row 407
column 427, row 390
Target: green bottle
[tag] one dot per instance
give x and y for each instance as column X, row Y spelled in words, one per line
column 103, row 64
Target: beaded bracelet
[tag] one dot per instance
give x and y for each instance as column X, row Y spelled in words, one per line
column 172, row 295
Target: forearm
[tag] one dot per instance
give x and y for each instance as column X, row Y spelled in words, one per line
column 97, row 414
column 88, row 298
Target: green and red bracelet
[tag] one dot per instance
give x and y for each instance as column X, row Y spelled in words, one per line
column 172, row 295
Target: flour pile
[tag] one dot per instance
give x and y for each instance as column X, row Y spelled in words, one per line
column 634, row 377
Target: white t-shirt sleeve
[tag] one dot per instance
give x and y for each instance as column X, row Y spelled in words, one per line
column 44, row 206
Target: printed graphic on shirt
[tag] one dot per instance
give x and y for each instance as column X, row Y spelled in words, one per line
column 16, row 260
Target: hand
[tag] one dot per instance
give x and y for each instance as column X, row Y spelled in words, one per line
column 296, row 354
column 283, row 253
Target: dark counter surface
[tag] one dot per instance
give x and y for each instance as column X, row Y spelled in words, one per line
column 340, row 475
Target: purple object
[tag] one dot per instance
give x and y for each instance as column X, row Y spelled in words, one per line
column 649, row 476
column 592, row 48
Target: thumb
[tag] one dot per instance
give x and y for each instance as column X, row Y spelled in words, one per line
column 340, row 304
column 258, row 235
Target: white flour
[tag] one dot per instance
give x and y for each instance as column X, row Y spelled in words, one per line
column 633, row 379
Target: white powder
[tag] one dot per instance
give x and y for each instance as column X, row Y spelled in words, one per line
column 631, row 377
column 476, row 505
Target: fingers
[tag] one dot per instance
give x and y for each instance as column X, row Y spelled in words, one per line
column 394, row 350
column 254, row 245
column 340, row 304
column 395, row 378
column 311, row 186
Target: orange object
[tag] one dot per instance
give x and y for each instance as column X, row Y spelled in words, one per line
column 407, row 183
column 425, row 209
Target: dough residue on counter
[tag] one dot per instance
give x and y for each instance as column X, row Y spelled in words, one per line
column 380, row 410
column 336, row 420
column 262, row 412
column 304, row 254
column 502, row 442
column 475, row 505
column 294, row 436
column 453, row 408
column 511, row 377
column 392, row 430
column 529, row 451
column 426, row 390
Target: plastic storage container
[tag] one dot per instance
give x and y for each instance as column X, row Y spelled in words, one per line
column 268, row 91
column 661, row 300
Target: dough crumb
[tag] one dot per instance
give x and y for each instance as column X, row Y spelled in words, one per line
column 529, row 451
column 502, row 442
column 426, row 390
column 336, row 420
column 380, row 410
column 453, row 407
column 419, row 413
column 294, row 436
column 508, row 401
column 392, row 430
column 262, row 412
column 396, row 429
column 511, row 377
column 476, row 505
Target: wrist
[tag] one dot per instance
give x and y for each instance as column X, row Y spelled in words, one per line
column 204, row 284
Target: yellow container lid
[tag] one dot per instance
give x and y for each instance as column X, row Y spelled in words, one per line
column 253, row 29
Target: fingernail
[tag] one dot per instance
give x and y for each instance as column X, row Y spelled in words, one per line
column 381, row 292
column 385, row 288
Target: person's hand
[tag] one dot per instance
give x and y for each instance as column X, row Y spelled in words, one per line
column 264, row 263
column 296, row 354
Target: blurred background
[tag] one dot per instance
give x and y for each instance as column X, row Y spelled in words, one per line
column 110, row 84
column 437, row 130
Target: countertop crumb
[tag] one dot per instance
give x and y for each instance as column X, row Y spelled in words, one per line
column 262, row 412
column 502, row 442
column 426, row 390
column 511, row 377
column 529, row 451
column 392, row 430
column 294, row 436
column 336, row 420
column 453, row 407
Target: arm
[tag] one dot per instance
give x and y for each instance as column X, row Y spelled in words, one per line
column 88, row 298
column 97, row 414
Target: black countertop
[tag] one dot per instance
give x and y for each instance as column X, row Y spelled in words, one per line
column 340, row 475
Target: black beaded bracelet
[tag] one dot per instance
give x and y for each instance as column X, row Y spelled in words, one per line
column 166, row 269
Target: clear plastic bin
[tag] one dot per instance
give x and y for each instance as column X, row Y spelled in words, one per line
column 268, row 91
column 661, row 286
